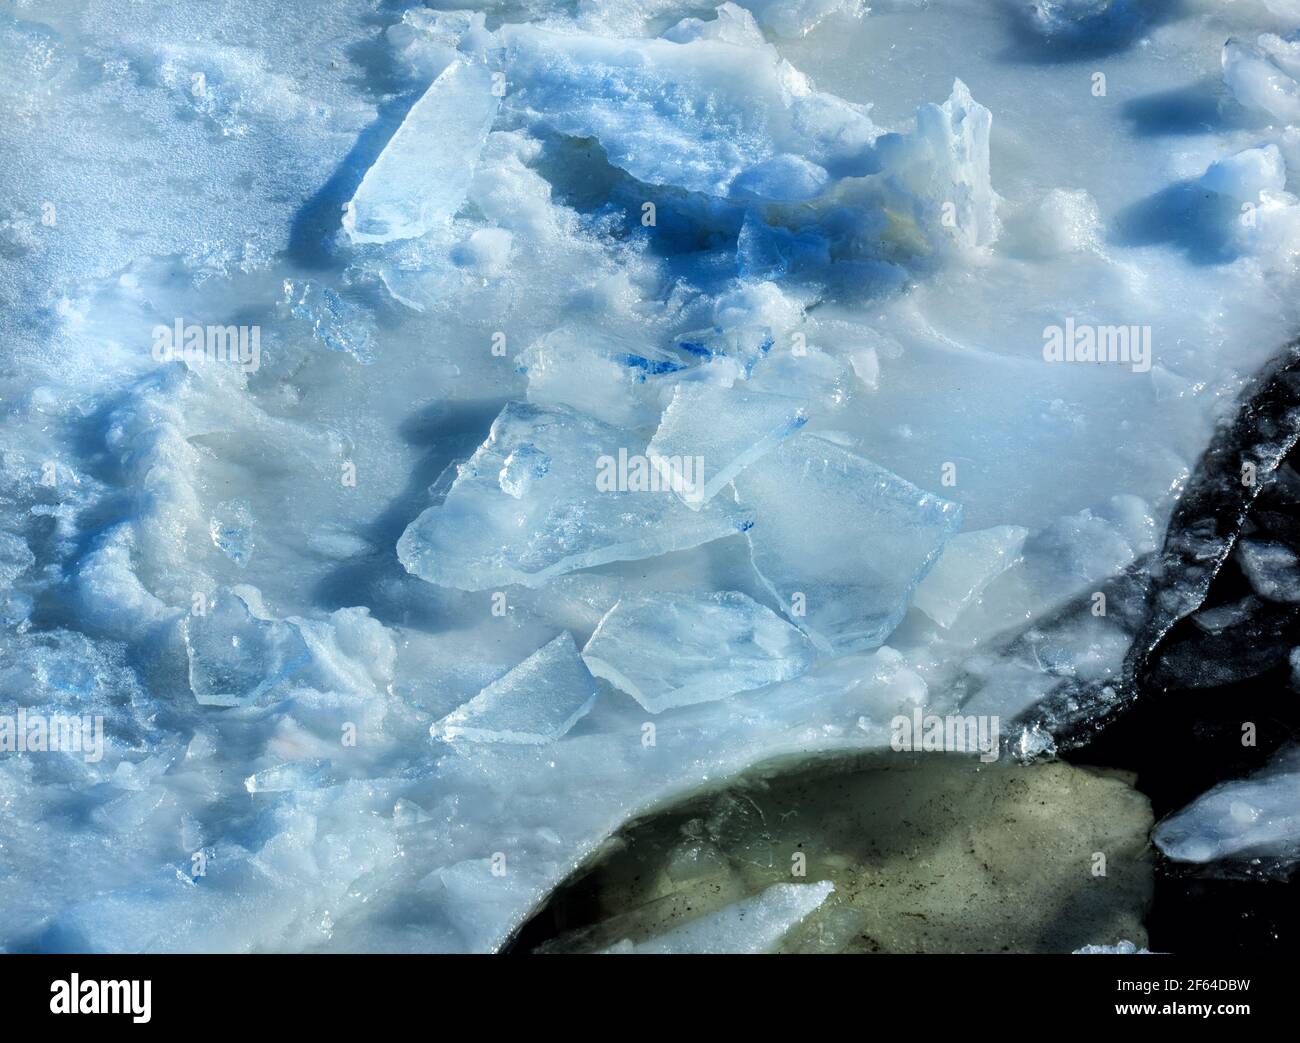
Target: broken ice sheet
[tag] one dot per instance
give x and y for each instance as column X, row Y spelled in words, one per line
column 669, row 650
column 709, row 434
column 755, row 925
column 421, row 177
column 502, row 523
column 537, row 702
column 966, row 384
column 969, row 563
column 234, row 657
column 840, row 541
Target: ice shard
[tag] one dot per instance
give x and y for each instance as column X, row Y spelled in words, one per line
column 235, row 657
column 421, row 177
column 755, row 925
column 840, row 541
column 1271, row 568
column 668, row 650
column 596, row 500
column 535, row 703
column 1256, row 817
column 612, row 380
column 709, row 434
column 1265, row 74
column 969, row 563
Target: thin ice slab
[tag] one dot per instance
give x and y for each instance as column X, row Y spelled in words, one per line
column 840, row 541
column 968, row 565
column 535, row 703
column 709, row 434
column 593, row 373
column 549, row 492
column 421, row 177
column 668, row 650
column 753, row 926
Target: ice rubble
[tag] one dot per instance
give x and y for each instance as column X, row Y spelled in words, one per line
column 268, row 779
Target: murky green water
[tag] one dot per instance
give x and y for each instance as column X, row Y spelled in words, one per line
column 928, row 853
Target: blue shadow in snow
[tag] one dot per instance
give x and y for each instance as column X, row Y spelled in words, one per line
column 1112, row 29
column 1185, row 216
column 1201, row 108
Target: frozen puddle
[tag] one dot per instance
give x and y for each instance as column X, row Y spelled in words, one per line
column 358, row 374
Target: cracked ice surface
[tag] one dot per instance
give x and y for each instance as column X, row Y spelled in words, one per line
column 497, row 261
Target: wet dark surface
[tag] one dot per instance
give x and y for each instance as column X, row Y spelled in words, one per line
column 927, row 853
column 1213, row 697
